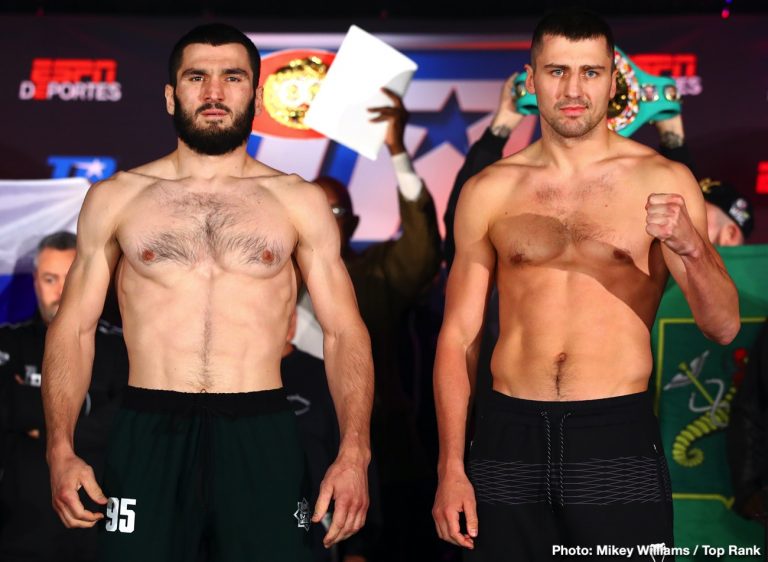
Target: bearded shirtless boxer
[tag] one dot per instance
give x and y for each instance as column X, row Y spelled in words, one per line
column 580, row 231
column 204, row 455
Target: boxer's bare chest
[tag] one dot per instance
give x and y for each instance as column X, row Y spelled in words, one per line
column 598, row 219
column 236, row 226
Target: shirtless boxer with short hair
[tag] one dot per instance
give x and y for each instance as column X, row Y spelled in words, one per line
column 204, row 456
column 579, row 231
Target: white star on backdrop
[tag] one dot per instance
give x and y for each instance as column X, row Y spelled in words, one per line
column 93, row 169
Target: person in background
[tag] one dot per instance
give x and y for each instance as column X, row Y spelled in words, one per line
column 730, row 218
column 484, row 152
column 29, row 527
column 389, row 277
column 747, row 437
column 307, row 390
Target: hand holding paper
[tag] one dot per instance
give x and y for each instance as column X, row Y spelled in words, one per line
column 396, row 116
column 362, row 67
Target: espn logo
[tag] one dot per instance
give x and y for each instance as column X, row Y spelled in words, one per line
column 72, row 80
column 681, row 66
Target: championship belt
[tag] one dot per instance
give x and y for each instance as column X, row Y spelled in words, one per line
column 289, row 91
column 640, row 97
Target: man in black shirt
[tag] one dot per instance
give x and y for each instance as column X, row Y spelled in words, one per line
column 29, row 528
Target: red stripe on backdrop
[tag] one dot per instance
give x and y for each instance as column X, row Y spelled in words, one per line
column 485, row 45
column 762, row 178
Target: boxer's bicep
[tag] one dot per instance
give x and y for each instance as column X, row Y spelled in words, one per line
column 470, row 278
column 318, row 254
column 346, row 345
column 69, row 343
column 97, row 254
column 694, row 201
column 469, row 284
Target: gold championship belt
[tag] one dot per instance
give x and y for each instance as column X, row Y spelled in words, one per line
column 290, row 79
column 289, row 91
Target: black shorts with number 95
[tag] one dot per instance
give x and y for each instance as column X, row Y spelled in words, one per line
column 217, row 477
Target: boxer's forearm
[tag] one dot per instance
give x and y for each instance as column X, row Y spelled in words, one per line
column 453, row 399
column 692, row 260
column 711, row 294
column 350, row 380
column 67, row 364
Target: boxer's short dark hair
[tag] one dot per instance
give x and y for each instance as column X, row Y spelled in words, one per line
column 573, row 24
column 214, row 34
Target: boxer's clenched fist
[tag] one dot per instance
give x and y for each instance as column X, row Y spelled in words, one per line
column 667, row 219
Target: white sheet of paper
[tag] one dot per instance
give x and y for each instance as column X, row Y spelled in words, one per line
column 363, row 65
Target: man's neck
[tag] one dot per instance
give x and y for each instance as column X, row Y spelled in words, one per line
column 189, row 163
column 574, row 154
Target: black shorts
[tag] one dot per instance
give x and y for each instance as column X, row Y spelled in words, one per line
column 553, row 476
column 219, row 477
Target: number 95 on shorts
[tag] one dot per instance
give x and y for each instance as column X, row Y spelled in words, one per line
column 120, row 515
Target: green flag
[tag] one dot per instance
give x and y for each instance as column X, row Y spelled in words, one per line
column 695, row 380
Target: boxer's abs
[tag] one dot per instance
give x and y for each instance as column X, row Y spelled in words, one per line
column 578, row 294
column 202, row 330
column 563, row 336
column 206, row 285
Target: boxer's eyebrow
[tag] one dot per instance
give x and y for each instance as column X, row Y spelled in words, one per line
column 194, row 72
column 226, row 72
column 238, row 71
column 568, row 67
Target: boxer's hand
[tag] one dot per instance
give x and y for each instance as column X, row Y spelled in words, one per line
column 396, row 116
column 667, row 220
column 346, row 482
column 68, row 475
column 455, row 495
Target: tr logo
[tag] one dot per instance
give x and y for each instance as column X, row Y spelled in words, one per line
column 92, row 168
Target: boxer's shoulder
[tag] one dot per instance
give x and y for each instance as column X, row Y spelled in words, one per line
column 301, row 202
column 641, row 158
column 108, row 199
column 108, row 192
column 161, row 169
column 645, row 170
column 295, row 192
column 129, row 182
column 529, row 158
column 263, row 174
column 630, row 154
column 504, row 180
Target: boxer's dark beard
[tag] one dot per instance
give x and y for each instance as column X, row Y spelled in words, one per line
column 213, row 141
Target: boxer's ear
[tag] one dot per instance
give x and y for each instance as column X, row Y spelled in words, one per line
column 731, row 235
column 170, row 104
column 258, row 100
column 529, row 79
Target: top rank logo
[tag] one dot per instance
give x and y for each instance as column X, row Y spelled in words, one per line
column 72, row 80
